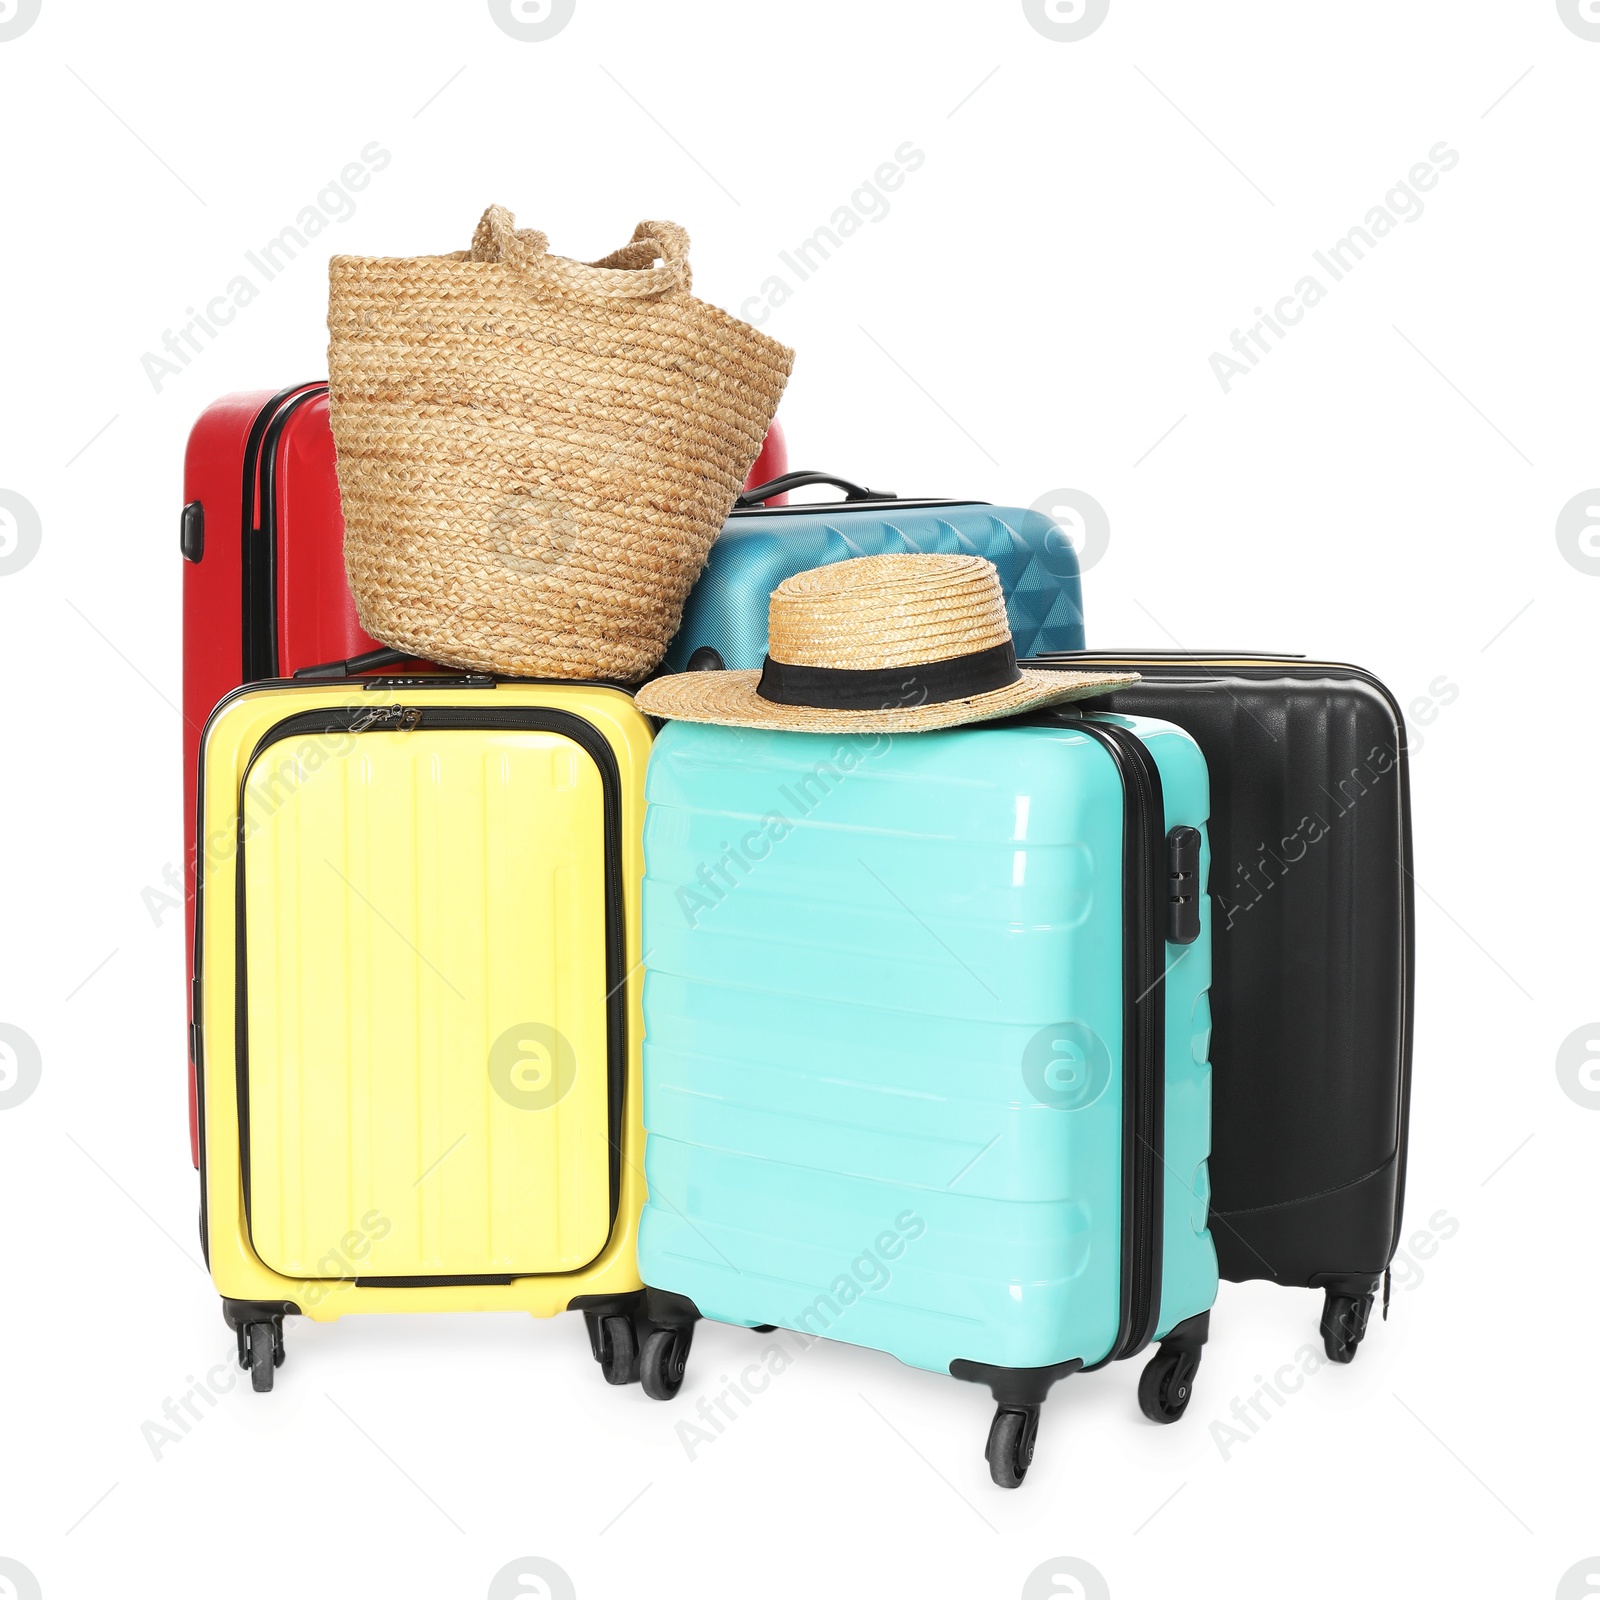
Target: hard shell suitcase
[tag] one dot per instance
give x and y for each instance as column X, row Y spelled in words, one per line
column 1311, row 996
column 417, row 1003
column 264, row 587
column 767, row 540
column 930, row 1009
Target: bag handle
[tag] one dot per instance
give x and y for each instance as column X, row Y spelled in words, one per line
column 625, row 274
column 799, row 480
column 498, row 238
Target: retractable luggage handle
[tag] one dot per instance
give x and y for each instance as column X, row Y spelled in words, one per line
column 800, row 480
column 331, row 671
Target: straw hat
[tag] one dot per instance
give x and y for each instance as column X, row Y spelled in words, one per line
column 903, row 643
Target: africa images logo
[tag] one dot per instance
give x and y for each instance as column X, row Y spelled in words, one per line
column 532, row 21
column 16, row 17
column 20, row 532
column 1065, row 21
column 532, row 1578
column 20, row 1066
column 1578, row 532
column 1582, row 16
column 532, row 1066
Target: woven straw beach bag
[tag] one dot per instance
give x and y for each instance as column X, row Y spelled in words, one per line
column 535, row 454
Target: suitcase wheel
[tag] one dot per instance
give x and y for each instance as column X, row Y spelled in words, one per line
column 263, row 1352
column 617, row 1350
column 1344, row 1325
column 1009, row 1451
column 1167, row 1383
column 662, row 1362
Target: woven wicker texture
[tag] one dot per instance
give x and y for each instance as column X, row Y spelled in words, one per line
column 872, row 613
column 535, row 454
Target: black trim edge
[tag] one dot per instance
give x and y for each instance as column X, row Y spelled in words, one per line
column 258, row 556
column 1144, row 1023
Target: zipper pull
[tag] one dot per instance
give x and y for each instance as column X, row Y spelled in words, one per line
column 401, row 718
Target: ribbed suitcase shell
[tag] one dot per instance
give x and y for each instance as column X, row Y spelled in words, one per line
column 759, row 548
column 405, row 910
column 437, row 995
column 856, row 946
column 1313, row 954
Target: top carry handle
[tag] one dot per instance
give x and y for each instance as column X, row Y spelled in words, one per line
column 363, row 667
column 764, row 492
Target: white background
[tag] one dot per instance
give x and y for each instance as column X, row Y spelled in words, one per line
column 1036, row 311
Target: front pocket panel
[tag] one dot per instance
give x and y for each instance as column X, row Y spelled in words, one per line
column 424, row 934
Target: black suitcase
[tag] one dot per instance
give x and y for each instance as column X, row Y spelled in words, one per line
column 1312, row 960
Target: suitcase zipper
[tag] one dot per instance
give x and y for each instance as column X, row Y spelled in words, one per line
column 1144, row 1032
column 258, row 525
column 391, row 718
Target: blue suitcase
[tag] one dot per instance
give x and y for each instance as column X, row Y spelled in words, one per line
column 725, row 617
column 930, row 1010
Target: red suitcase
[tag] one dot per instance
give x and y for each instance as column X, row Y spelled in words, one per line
column 772, row 463
column 264, row 589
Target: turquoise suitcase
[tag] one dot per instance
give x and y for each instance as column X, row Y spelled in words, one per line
column 925, row 1065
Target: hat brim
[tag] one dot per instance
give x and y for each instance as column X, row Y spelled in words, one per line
column 730, row 698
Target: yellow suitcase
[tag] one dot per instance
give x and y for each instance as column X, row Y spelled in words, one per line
column 417, row 993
